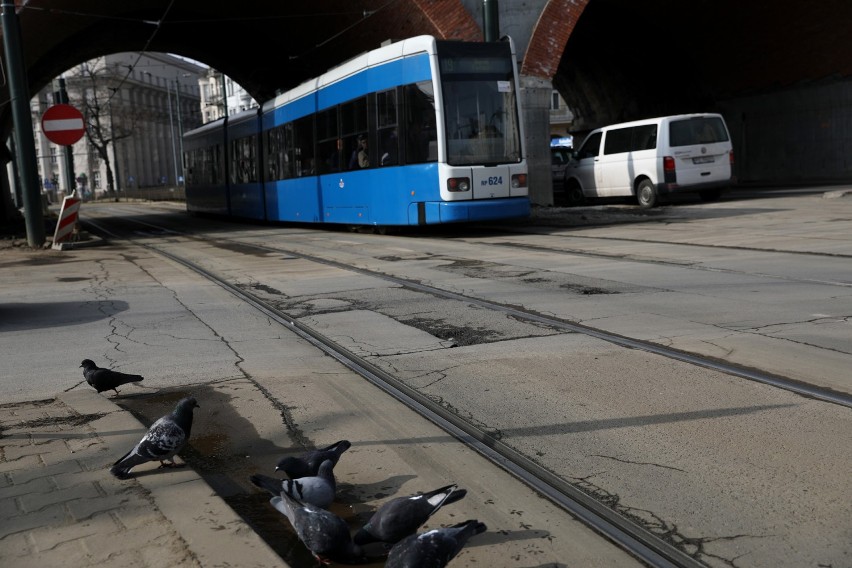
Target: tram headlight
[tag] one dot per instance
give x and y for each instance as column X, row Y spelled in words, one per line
column 519, row 180
column 458, row 184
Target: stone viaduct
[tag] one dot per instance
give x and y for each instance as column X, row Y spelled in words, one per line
column 778, row 71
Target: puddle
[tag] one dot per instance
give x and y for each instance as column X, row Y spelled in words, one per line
column 225, row 449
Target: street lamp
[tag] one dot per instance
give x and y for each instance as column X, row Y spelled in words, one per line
column 172, row 131
column 180, row 122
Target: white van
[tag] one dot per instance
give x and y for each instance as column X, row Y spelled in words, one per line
column 651, row 158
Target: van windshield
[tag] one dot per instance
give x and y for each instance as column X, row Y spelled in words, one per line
column 697, row 130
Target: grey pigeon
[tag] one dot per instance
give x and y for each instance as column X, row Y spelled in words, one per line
column 308, row 464
column 315, row 489
column 402, row 516
column 164, row 439
column 325, row 534
column 106, row 379
column 433, row 549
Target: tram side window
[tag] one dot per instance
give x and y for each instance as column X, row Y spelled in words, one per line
column 277, row 161
column 303, row 147
column 328, row 140
column 421, row 141
column 191, row 167
column 353, row 128
column 387, row 123
column 218, row 165
column 244, row 160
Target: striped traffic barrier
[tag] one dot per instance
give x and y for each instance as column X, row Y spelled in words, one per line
column 68, row 216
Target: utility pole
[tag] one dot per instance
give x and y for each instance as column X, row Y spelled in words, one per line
column 224, row 97
column 180, row 124
column 69, row 149
column 491, row 20
column 23, row 122
column 172, row 130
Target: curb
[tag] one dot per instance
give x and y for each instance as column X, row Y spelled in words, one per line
column 214, row 533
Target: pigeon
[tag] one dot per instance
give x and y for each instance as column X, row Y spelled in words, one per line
column 433, row 549
column 325, row 534
column 316, row 489
column 106, row 379
column 402, row 516
column 165, row 438
column 308, row 464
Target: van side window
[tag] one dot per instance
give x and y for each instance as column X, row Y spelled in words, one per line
column 631, row 139
column 698, row 130
column 618, row 141
column 644, row 137
column 591, row 147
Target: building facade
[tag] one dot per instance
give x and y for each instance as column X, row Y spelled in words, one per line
column 136, row 108
column 215, row 106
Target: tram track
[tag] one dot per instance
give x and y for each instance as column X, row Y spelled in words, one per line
column 778, row 381
column 623, row 532
column 629, row 535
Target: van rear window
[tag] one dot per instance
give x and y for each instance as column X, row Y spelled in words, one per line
column 697, row 130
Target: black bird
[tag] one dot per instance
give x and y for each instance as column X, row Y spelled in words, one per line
column 325, row 534
column 164, row 439
column 402, row 516
column 433, row 549
column 315, row 489
column 106, row 379
column 308, row 464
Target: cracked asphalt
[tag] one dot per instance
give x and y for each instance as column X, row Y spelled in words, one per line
column 739, row 473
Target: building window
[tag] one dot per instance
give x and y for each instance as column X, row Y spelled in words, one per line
column 96, row 180
column 554, row 100
column 53, row 155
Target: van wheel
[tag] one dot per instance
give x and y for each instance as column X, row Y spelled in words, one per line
column 646, row 194
column 574, row 195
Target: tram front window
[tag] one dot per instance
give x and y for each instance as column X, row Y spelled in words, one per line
column 480, row 104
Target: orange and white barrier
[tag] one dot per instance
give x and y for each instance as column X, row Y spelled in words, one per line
column 68, row 217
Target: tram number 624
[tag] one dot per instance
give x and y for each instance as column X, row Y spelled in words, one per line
column 493, row 180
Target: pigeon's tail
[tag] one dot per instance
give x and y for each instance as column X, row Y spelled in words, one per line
column 456, row 495
column 471, row 527
column 268, row 483
column 437, row 498
column 285, row 504
column 124, row 378
column 121, row 468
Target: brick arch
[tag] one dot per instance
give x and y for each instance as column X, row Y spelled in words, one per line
column 549, row 37
column 449, row 18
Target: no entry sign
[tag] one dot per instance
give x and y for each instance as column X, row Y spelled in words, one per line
column 62, row 124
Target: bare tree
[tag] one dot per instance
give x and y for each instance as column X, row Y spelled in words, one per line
column 108, row 114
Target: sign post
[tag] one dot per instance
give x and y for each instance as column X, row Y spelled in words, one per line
column 63, row 124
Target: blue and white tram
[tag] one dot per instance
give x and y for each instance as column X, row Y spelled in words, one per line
column 421, row 131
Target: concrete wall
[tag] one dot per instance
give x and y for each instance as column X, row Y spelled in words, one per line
column 792, row 136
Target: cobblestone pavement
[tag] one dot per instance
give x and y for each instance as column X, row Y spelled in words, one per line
column 60, row 506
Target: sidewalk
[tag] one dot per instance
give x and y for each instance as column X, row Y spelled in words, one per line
column 60, row 506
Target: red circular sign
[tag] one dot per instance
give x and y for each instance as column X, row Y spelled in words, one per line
column 63, row 124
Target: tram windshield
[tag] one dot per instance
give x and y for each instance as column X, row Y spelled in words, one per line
column 480, row 103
